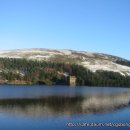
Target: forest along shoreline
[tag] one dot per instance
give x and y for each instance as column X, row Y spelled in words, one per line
column 26, row 72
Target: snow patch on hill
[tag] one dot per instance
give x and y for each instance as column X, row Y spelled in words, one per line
column 92, row 61
column 106, row 66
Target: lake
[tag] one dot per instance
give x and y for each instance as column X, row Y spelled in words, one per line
column 33, row 107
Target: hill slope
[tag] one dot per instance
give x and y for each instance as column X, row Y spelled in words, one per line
column 92, row 61
column 25, row 71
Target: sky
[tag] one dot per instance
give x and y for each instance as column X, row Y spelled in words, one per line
column 87, row 25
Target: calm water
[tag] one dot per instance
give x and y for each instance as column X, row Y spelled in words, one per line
column 62, row 107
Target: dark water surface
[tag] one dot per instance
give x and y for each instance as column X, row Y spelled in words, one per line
column 25, row 107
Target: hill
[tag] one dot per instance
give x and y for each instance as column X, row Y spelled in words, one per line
column 44, row 66
column 92, row 61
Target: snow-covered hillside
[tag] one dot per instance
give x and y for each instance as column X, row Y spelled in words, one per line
column 92, row 61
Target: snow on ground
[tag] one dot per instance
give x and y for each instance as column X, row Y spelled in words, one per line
column 106, row 66
column 40, row 57
column 65, row 52
column 92, row 61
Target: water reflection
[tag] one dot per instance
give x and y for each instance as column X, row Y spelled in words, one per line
column 56, row 105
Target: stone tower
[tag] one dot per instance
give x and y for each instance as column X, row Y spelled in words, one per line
column 72, row 81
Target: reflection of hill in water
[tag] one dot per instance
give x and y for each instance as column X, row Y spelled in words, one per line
column 55, row 105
